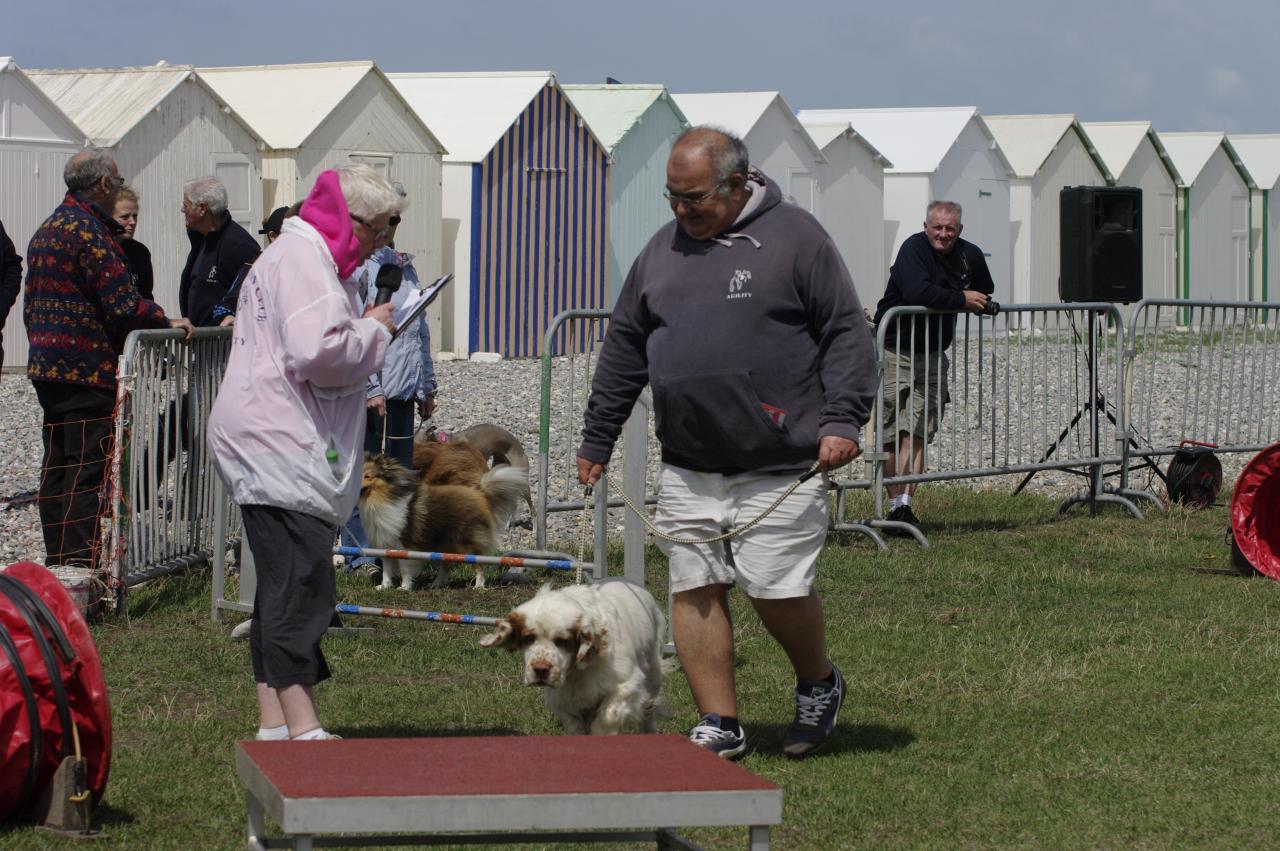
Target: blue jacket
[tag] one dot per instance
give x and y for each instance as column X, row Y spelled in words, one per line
column 920, row 276
column 408, row 372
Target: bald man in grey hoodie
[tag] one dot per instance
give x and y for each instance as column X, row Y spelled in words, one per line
column 742, row 316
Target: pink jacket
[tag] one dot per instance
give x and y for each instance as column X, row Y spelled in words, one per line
column 287, row 427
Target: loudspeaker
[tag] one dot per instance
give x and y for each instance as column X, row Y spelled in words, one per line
column 1101, row 246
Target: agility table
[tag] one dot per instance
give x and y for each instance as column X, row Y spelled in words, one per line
column 629, row 788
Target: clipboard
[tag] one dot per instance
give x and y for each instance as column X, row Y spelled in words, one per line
column 423, row 300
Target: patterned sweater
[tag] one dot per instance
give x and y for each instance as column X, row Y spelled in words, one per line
column 80, row 300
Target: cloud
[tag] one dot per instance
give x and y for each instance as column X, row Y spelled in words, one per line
column 1225, row 83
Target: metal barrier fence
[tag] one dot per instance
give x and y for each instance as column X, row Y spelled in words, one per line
column 1028, row 391
column 1203, row 371
column 1038, row 388
column 166, row 494
column 1033, row 390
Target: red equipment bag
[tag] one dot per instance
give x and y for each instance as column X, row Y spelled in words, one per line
column 53, row 699
column 1255, row 512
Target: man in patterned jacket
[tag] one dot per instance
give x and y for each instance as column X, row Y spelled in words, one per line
column 80, row 304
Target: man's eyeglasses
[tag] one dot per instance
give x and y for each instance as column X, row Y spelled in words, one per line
column 377, row 234
column 393, row 221
column 689, row 200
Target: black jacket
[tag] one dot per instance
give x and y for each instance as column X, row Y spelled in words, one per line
column 210, row 281
column 138, row 259
column 10, row 275
column 923, row 277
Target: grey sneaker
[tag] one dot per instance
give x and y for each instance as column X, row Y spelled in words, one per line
column 817, row 706
column 728, row 744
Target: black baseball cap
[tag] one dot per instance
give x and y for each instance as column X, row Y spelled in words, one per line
column 275, row 221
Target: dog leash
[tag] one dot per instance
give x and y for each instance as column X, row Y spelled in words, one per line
column 723, row 536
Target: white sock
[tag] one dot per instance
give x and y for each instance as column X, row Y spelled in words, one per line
column 273, row 734
column 900, row 500
column 317, row 733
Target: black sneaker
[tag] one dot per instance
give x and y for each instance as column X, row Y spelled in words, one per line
column 729, row 744
column 371, row 572
column 902, row 514
column 817, row 706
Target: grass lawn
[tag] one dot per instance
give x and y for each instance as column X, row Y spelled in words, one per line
column 1028, row 682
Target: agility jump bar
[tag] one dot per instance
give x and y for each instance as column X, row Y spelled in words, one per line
column 410, row 614
column 460, row 558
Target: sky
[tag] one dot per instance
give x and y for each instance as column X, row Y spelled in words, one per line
column 1181, row 64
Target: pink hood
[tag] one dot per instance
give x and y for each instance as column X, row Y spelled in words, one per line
column 326, row 210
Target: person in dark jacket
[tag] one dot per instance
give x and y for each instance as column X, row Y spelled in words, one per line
column 80, row 304
column 743, row 318
column 137, row 256
column 220, row 251
column 936, row 269
column 10, row 281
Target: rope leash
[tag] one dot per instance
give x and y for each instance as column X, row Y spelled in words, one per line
column 723, row 536
column 585, row 526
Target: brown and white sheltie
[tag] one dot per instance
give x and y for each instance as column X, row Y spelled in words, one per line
column 403, row 509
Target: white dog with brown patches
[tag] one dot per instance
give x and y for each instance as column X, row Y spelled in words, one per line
column 595, row 649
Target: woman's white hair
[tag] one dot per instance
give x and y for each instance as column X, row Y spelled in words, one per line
column 367, row 195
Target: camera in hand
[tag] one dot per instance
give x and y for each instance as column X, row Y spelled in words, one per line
column 991, row 308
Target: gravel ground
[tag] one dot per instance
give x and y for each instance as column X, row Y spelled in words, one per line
column 507, row 393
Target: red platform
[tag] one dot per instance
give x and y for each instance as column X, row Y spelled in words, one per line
column 502, row 787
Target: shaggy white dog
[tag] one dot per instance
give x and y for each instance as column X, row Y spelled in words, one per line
column 596, row 649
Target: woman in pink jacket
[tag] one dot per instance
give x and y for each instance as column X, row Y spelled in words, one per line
column 286, row 430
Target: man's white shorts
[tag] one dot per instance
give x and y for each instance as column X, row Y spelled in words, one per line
column 775, row 559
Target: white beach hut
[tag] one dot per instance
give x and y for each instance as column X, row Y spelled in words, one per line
column 938, row 153
column 36, row 139
column 1047, row 152
column 526, row 192
column 778, row 143
column 1260, row 153
column 1214, row 216
column 851, row 183
column 636, row 124
column 317, row 116
column 164, row 126
column 1135, row 156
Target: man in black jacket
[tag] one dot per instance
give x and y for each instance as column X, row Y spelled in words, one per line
column 220, row 251
column 936, row 269
column 10, row 281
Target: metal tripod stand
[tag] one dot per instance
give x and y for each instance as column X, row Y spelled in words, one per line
column 1095, row 408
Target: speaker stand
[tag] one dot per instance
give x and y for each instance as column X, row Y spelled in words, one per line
column 1096, row 407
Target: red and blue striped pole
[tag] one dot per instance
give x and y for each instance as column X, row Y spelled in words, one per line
column 460, row 558
column 410, row 614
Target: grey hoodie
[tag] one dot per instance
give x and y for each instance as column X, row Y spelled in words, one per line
column 754, row 342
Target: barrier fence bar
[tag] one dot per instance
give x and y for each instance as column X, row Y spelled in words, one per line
column 566, row 380
column 1207, row 371
column 163, row 485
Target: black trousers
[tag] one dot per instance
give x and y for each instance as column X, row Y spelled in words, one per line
column 293, row 606
column 77, row 435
